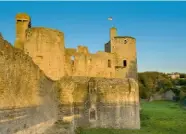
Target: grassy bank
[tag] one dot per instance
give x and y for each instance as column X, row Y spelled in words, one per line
column 159, row 117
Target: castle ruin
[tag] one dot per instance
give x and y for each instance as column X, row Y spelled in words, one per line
column 47, row 49
column 96, row 90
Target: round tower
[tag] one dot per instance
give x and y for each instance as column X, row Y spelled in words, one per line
column 47, row 48
column 23, row 22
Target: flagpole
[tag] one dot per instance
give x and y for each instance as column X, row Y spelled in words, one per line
column 110, row 19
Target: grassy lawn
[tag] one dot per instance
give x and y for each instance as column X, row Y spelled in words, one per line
column 159, row 117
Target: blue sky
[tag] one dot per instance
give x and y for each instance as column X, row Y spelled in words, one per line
column 159, row 27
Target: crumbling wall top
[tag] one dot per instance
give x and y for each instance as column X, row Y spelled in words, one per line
column 125, row 37
column 82, row 49
column 70, row 51
column 103, row 53
column 44, row 29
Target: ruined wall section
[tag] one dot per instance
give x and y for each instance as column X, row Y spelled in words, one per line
column 126, row 90
column 69, row 60
column 102, row 65
column 46, row 47
column 13, row 78
column 19, row 76
column 114, row 102
column 79, row 62
column 28, row 99
column 124, row 49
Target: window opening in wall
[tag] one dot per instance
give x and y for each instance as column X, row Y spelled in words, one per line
column 72, row 59
column 39, row 57
column 19, row 20
column 125, row 41
column 109, row 63
column 72, row 62
column 92, row 114
column 91, row 87
column 124, row 63
column 89, row 61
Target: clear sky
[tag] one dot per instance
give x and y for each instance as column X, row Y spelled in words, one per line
column 159, row 27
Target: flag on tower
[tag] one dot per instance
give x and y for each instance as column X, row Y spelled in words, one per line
column 110, row 18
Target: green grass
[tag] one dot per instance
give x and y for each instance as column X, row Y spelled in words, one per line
column 159, row 117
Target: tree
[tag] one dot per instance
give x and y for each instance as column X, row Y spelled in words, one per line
column 182, row 82
column 183, row 89
column 152, row 82
column 176, row 91
column 166, row 84
column 182, row 75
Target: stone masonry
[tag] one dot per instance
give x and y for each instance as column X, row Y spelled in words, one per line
column 84, row 89
column 27, row 97
column 47, row 49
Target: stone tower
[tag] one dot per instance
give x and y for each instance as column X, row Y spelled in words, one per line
column 113, row 32
column 124, row 49
column 23, row 22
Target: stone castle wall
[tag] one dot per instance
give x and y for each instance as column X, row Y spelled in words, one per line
column 83, row 63
column 46, row 47
column 125, row 49
column 81, row 101
column 68, row 84
column 27, row 97
column 114, row 101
